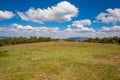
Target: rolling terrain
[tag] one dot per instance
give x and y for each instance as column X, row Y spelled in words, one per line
column 60, row 61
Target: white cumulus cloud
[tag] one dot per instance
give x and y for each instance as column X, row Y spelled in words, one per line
column 6, row 15
column 110, row 31
column 62, row 12
column 79, row 26
column 110, row 16
column 85, row 30
column 16, row 30
column 68, row 29
column 81, row 23
column 20, row 30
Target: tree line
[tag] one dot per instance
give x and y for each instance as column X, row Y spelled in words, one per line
column 34, row 39
column 104, row 40
column 22, row 40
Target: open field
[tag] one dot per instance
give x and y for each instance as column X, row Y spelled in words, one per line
column 60, row 61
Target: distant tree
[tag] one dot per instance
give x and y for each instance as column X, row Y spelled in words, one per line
column 89, row 40
column 113, row 41
column 96, row 39
column 32, row 39
column 22, row 40
column 119, row 40
column 104, row 40
column 1, row 43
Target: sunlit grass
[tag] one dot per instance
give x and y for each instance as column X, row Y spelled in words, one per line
column 60, row 61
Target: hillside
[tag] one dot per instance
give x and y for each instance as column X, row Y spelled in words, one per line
column 77, row 38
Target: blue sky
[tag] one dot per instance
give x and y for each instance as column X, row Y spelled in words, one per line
column 60, row 18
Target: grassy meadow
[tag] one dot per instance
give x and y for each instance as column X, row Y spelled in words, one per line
column 60, row 61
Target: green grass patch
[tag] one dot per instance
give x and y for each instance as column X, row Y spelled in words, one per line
column 60, row 61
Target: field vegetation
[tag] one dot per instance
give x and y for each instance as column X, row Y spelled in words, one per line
column 34, row 39
column 60, row 60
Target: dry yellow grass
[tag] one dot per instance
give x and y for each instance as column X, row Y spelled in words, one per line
column 60, row 61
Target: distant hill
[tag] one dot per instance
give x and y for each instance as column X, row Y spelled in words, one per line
column 77, row 38
column 4, row 37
